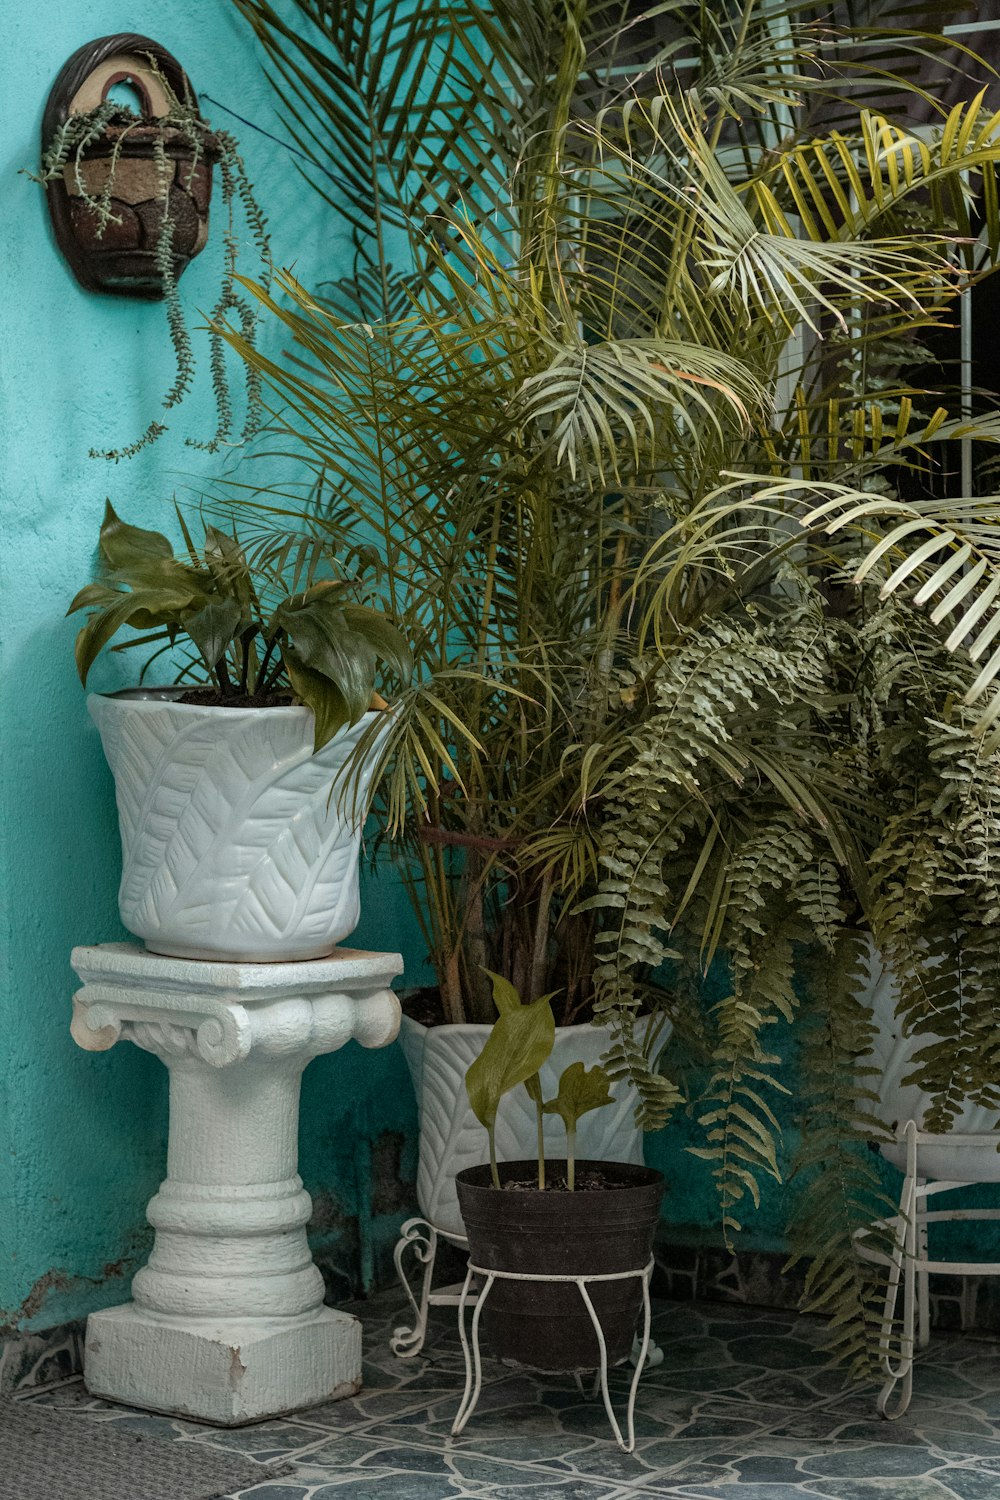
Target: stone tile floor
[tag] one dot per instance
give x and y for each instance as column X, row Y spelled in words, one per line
column 744, row 1407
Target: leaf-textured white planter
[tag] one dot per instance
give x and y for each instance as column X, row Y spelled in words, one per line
column 232, row 845
column 452, row 1138
column 893, row 1055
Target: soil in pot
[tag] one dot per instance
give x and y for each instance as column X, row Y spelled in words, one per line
column 210, row 697
column 424, row 1005
column 604, row 1227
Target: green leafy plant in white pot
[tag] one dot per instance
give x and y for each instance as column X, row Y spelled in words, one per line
column 241, row 790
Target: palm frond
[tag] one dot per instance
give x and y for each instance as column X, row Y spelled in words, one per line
column 598, row 403
column 948, row 553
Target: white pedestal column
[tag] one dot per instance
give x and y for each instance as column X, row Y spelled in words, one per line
column 227, row 1322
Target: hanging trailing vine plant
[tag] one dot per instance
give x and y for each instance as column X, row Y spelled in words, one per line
column 129, row 194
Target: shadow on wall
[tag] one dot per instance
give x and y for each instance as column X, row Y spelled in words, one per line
column 358, row 1159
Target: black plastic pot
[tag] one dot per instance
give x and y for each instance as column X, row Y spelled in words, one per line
column 585, row 1233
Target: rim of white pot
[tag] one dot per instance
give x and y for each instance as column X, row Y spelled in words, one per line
column 440, row 1028
column 145, row 699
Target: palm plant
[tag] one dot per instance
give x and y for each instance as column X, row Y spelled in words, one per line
column 506, row 564
column 650, row 332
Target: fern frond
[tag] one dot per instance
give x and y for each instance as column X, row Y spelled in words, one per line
column 840, row 1188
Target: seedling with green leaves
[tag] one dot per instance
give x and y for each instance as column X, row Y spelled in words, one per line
column 581, row 1089
column 520, row 1042
column 286, row 626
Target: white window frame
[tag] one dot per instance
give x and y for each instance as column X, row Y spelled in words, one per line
column 965, row 302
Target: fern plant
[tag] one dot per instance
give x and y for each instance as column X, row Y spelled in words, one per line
column 648, row 315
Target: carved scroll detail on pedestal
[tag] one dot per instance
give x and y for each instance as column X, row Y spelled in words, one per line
column 170, row 1025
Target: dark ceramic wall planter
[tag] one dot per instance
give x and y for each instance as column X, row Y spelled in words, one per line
column 122, row 259
column 586, row 1233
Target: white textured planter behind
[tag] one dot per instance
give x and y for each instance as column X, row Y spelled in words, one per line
column 452, row 1138
column 898, row 1101
column 232, row 845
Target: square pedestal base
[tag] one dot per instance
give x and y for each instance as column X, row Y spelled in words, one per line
column 225, row 1373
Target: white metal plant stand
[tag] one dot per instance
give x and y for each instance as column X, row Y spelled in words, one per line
column 909, row 1261
column 473, row 1360
column 420, row 1238
column 227, row 1322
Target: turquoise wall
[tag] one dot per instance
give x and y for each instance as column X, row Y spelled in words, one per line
column 83, row 1136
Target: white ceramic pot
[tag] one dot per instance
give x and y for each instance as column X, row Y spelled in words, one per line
column 232, row 845
column 898, row 1101
column 452, row 1138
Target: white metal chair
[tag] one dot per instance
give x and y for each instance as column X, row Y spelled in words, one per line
column 932, row 1163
